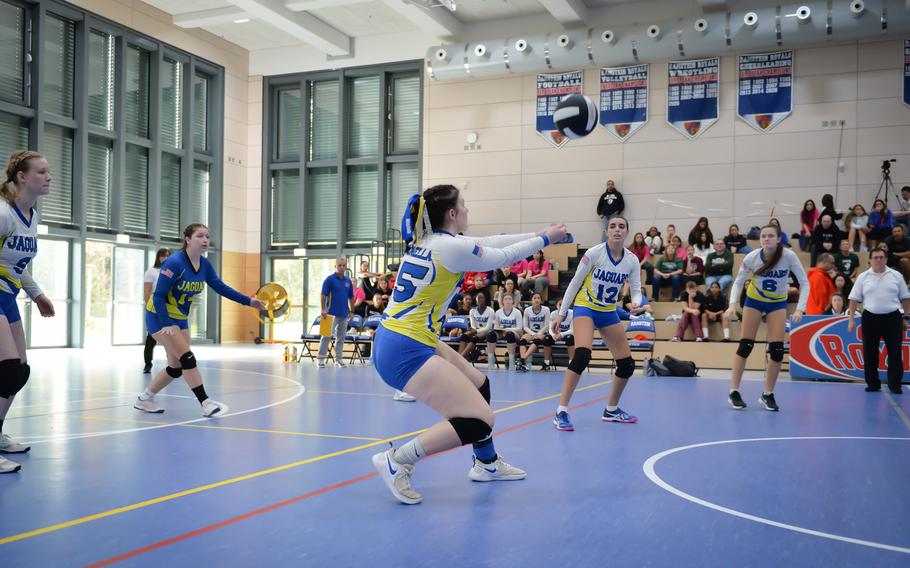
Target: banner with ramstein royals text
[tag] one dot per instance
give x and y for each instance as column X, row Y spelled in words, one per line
column 692, row 92
column 907, row 72
column 552, row 88
column 624, row 99
column 765, row 88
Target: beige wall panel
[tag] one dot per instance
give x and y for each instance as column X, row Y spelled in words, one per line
column 799, row 173
column 235, row 130
column 650, row 180
column 881, row 112
column 235, row 108
column 472, row 117
column 482, row 230
column 237, row 86
column 254, row 89
column 880, row 84
column 490, row 140
column 569, row 159
column 869, row 168
column 880, row 55
column 679, row 153
column 538, row 211
column 794, row 145
column 658, row 130
column 671, row 204
column 806, row 117
column 479, row 92
column 493, row 212
column 825, row 89
column 479, row 164
column 825, row 60
column 120, row 12
column 589, row 184
column 233, row 240
column 884, row 140
column 481, row 189
column 531, row 139
column 727, row 102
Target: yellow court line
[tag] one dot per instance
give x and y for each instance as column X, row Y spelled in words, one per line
column 254, row 475
column 235, row 428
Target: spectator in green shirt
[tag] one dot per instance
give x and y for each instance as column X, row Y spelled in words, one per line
column 846, row 261
column 719, row 266
column 669, row 270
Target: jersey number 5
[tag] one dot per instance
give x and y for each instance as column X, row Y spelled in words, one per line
column 408, row 278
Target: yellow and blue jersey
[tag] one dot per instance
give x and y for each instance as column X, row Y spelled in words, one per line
column 430, row 274
column 599, row 278
column 179, row 284
column 771, row 287
column 18, row 246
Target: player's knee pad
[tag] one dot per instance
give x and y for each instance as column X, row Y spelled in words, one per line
column 548, row 341
column 625, row 367
column 485, row 389
column 745, row 347
column 10, row 377
column 26, row 373
column 580, row 361
column 523, row 342
column 174, row 372
column 537, row 341
column 188, row 360
column 510, row 337
column 776, row 351
column 471, row 430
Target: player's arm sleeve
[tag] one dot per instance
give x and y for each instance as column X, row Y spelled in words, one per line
column 211, row 278
column 546, row 321
column 501, row 241
column 29, row 285
column 739, row 281
column 463, row 254
column 487, row 327
column 575, row 285
column 571, row 330
column 472, row 320
column 635, row 283
column 527, row 322
column 159, row 299
column 797, row 269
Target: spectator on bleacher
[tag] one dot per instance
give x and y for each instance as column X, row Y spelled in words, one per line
column 703, row 247
column 836, row 306
column 360, row 299
column 825, row 238
column 700, row 227
column 880, row 222
column 520, row 269
column 808, row 218
column 784, row 240
column 846, row 261
column 694, row 269
column 669, row 270
column 337, row 300
column 641, row 251
column 384, row 289
column 821, row 284
column 842, row 285
column 508, row 288
column 481, row 324
column 625, row 310
column 902, row 213
column 857, row 223
column 654, row 241
column 714, row 310
column 536, row 333
column 609, row 205
column 719, row 266
column 671, row 231
column 792, row 289
column 565, row 331
column 736, row 241
column 503, row 274
column 828, row 208
column 680, row 249
column 462, row 308
column 374, row 307
column 366, row 279
column 538, row 278
column 508, row 325
column 899, row 251
column 692, row 300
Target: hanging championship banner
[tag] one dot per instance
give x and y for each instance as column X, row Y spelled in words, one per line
column 624, row 99
column 551, row 89
column 765, row 88
column 907, row 72
column 692, row 91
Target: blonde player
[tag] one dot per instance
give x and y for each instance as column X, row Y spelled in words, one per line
column 770, row 267
column 409, row 354
column 27, row 178
column 593, row 294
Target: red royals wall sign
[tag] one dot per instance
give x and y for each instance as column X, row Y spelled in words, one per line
column 822, row 348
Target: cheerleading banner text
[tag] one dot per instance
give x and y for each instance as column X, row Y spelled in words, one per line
column 692, row 91
column 551, row 89
column 907, row 72
column 624, row 99
column 765, row 88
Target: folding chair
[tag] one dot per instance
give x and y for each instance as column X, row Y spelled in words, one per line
column 309, row 338
column 450, row 323
column 355, row 328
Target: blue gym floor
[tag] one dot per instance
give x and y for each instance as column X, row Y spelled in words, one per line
column 286, row 476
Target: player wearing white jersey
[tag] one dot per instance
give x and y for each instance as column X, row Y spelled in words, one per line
column 536, row 333
column 408, row 353
column 770, row 267
column 565, row 333
column 481, row 324
column 27, row 178
column 593, row 293
column 509, row 326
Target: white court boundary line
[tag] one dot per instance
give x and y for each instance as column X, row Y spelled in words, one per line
column 300, row 390
column 648, row 468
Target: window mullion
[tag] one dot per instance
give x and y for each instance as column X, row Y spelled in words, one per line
column 119, row 125
column 80, row 136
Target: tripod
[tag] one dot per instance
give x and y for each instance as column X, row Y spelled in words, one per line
column 886, row 183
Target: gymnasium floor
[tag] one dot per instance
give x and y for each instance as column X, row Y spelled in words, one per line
column 286, row 476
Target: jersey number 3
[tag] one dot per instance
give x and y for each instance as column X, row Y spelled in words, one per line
column 409, row 277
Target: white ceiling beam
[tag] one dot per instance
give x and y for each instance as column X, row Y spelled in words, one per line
column 438, row 21
column 567, row 11
column 306, row 28
column 304, row 5
column 202, row 18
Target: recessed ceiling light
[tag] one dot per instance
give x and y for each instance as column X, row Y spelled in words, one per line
column 242, row 21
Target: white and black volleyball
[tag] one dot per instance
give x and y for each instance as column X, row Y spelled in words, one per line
column 575, row 116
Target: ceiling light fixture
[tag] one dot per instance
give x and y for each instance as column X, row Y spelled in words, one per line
column 242, row 21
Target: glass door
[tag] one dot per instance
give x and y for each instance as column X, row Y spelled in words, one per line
column 51, row 271
column 318, row 269
column 128, row 306
column 99, row 279
column 289, row 273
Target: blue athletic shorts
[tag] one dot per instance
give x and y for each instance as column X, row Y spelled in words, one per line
column 765, row 307
column 398, row 357
column 9, row 307
column 601, row 319
column 154, row 326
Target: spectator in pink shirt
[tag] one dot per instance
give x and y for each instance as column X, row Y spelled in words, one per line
column 538, row 278
column 520, row 268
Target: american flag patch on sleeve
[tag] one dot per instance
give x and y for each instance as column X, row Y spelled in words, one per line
column 478, row 250
column 167, row 273
column 585, row 259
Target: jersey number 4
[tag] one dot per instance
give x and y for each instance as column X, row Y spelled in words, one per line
column 409, row 277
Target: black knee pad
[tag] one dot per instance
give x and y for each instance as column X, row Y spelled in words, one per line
column 510, row 337
column 537, row 341
column 523, row 342
column 188, row 360
column 485, row 389
column 548, row 341
column 471, row 430
column 26, row 372
column 580, row 361
column 174, row 372
column 570, row 340
column 745, row 347
column 625, row 367
column 776, row 351
column 11, row 371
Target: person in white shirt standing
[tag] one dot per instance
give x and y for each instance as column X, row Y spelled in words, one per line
column 882, row 291
column 149, row 283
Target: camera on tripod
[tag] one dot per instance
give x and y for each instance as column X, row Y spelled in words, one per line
column 886, row 165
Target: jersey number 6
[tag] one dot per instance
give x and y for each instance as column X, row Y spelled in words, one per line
column 408, row 277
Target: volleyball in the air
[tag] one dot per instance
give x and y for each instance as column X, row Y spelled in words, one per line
column 575, row 116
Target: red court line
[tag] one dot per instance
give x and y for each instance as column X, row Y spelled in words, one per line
column 234, row 520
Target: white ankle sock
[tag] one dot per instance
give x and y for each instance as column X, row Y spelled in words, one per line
column 146, row 395
column 726, row 334
column 704, row 332
column 409, row 453
column 561, row 408
column 612, row 408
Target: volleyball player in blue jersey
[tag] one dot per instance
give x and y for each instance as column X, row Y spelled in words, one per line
column 408, row 353
column 183, row 277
